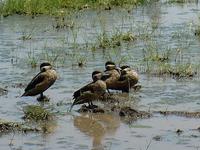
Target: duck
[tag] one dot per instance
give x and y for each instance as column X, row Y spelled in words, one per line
column 128, row 72
column 128, row 79
column 41, row 82
column 90, row 92
column 111, row 75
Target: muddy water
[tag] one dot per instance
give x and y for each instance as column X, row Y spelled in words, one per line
column 173, row 28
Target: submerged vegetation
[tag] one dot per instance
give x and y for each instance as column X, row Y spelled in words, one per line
column 53, row 7
column 9, row 126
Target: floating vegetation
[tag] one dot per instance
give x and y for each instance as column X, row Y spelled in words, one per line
column 180, row 113
column 84, row 109
column 179, row 131
column 36, row 113
column 129, row 114
column 9, row 126
column 26, row 37
column 3, row 91
column 197, row 31
column 81, row 61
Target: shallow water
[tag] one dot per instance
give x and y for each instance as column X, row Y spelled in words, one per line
column 80, row 131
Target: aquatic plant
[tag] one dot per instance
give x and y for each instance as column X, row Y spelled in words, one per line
column 51, row 55
column 35, row 7
column 168, row 62
column 124, row 36
column 32, row 60
column 11, row 126
column 63, row 20
column 36, row 113
column 81, row 60
column 26, row 37
column 105, row 41
column 176, row 70
column 152, row 53
column 3, row 91
column 197, row 31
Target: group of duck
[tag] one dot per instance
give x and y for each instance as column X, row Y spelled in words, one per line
column 113, row 78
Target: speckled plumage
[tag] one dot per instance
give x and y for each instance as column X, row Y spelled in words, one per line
column 112, row 73
column 90, row 92
column 128, row 79
column 41, row 82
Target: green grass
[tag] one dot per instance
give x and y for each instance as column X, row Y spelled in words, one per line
column 162, row 67
column 105, row 41
column 52, row 7
column 37, row 113
column 32, row 60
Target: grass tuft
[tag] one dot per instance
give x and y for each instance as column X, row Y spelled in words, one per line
column 36, row 113
column 50, row 7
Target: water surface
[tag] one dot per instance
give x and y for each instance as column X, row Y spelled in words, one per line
column 173, row 28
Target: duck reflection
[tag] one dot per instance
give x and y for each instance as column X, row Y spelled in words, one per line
column 97, row 126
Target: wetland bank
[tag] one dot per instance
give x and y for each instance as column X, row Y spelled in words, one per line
column 159, row 39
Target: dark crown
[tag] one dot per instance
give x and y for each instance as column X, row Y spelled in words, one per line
column 44, row 64
column 95, row 72
column 109, row 63
column 124, row 67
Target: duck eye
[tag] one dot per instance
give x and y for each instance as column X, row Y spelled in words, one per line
column 43, row 69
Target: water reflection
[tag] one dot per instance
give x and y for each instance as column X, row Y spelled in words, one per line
column 97, row 126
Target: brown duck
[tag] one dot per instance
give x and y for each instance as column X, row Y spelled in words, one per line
column 128, row 79
column 92, row 91
column 112, row 75
column 42, row 81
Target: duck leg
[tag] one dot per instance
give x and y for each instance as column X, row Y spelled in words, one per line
column 94, row 106
column 91, row 105
column 108, row 91
column 42, row 98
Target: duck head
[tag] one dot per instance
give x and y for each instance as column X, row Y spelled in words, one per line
column 45, row 66
column 96, row 75
column 109, row 65
column 125, row 69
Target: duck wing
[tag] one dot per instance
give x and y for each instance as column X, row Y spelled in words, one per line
column 34, row 82
column 105, row 76
column 88, row 87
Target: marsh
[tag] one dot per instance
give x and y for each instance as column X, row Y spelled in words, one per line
column 164, row 37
